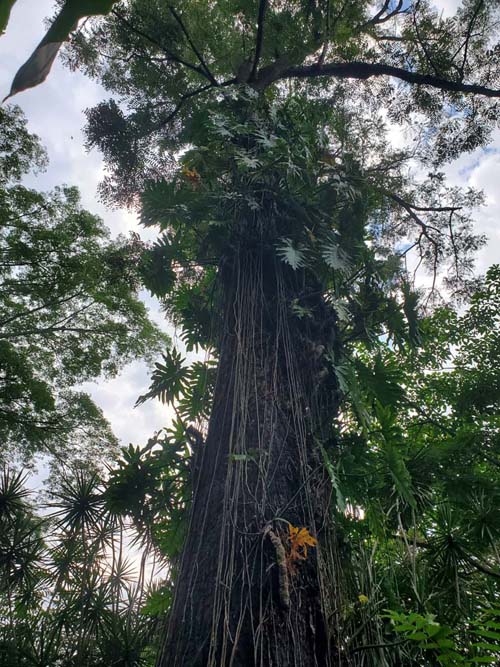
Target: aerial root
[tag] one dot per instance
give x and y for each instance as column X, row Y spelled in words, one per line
column 284, row 590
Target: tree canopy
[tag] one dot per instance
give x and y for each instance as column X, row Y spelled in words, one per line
column 69, row 309
column 163, row 62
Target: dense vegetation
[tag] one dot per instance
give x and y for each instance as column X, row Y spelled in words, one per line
column 328, row 492
column 69, row 310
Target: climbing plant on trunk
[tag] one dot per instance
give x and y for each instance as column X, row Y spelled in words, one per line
column 286, row 226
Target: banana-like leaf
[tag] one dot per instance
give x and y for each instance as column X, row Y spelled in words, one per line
column 36, row 68
column 5, row 7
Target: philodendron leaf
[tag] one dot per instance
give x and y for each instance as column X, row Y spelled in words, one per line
column 334, row 256
column 5, row 7
column 293, row 256
column 38, row 65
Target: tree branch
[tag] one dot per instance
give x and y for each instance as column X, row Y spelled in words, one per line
column 410, row 209
column 482, row 567
column 422, row 43
column 193, row 93
column 362, row 70
column 327, row 31
column 390, row 38
column 378, row 15
column 51, row 330
column 380, row 18
column 260, row 38
column 424, row 230
column 48, row 304
column 197, row 53
column 171, row 56
column 465, row 45
column 182, row 102
column 435, row 209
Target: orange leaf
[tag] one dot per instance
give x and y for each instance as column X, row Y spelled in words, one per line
column 192, row 175
column 300, row 539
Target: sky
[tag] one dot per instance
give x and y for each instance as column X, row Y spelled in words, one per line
column 55, row 113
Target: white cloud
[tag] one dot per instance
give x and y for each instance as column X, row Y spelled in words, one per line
column 117, row 397
column 448, row 7
column 480, row 169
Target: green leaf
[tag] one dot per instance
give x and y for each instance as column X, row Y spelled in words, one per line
column 382, row 380
column 293, row 256
column 350, row 386
column 489, row 634
column 5, row 9
column 197, row 395
column 486, row 646
column 168, row 381
column 404, row 627
column 37, row 67
column 391, row 449
column 484, row 660
column 334, row 256
column 158, row 602
column 493, row 611
column 299, row 311
column 334, row 479
column 156, row 269
column 494, row 625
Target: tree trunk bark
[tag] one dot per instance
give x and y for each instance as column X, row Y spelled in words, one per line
column 241, row 598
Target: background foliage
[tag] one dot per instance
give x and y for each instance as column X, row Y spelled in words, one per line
column 69, row 310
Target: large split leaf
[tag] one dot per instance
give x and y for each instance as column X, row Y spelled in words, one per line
column 293, row 256
column 36, row 68
column 168, row 380
column 5, row 9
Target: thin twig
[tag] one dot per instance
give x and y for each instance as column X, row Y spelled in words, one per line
column 182, row 102
column 193, row 46
column 172, row 56
column 468, row 36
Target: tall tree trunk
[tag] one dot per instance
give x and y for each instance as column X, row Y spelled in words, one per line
column 241, row 597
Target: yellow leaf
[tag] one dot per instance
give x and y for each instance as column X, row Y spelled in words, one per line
column 191, row 174
column 300, row 539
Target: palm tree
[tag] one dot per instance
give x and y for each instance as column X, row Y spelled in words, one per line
column 68, row 594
